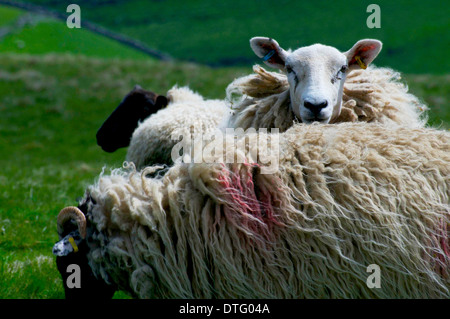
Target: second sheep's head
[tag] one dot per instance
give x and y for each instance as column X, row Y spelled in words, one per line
column 316, row 74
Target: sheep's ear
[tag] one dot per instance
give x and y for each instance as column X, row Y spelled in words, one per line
column 363, row 53
column 269, row 51
column 161, row 101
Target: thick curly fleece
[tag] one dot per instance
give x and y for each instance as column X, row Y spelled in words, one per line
column 346, row 196
column 371, row 95
column 261, row 100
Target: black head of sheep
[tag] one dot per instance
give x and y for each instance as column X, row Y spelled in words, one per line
column 71, row 258
column 118, row 128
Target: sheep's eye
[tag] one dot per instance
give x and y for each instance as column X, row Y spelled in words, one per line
column 339, row 75
column 289, row 70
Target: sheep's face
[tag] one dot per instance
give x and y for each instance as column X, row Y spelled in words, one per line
column 72, row 252
column 67, row 244
column 117, row 130
column 316, row 74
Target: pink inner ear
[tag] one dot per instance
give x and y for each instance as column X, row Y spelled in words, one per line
column 268, row 47
column 367, row 48
column 360, row 51
column 275, row 59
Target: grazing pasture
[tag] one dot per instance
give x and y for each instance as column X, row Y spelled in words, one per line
column 57, row 86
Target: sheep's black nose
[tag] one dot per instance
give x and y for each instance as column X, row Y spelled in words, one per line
column 315, row 107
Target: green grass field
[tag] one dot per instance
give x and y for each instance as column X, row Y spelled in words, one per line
column 414, row 32
column 9, row 15
column 40, row 35
column 57, row 86
column 50, row 109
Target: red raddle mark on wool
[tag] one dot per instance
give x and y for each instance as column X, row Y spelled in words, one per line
column 249, row 205
column 440, row 249
column 444, row 243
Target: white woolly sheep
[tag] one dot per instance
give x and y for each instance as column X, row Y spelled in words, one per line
column 186, row 113
column 346, row 196
column 322, row 84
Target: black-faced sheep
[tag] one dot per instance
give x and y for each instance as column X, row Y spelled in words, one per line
column 345, row 197
column 72, row 251
column 153, row 140
column 118, row 128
